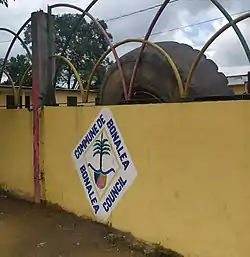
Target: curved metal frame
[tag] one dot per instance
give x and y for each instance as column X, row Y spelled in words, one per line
column 67, row 62
column 157, row 16
column 105, row 35
column 150, row 29
column 235, row 27
column 209, row 42
column 12, row 44
column 74, row 29
column 13, row 87
column 74, row 71
column 153, row 23
column 20, row 86
column 134, row 40
column 37, row 189
column 21, row 41
column 23, row 77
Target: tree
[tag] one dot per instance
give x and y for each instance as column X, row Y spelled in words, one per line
column 86, row 47
column 101, row 148
column 16, row 67
column 5, row 2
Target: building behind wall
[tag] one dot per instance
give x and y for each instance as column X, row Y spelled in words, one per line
column 71, row 97
column 238, row 83
column 64, row 97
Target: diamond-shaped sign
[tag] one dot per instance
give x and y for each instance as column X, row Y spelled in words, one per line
column 104, row 165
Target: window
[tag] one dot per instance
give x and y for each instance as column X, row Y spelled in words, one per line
column 10, row 102
column 71, row 101
column 20, row 102
column 27, row 101
column 96, row 100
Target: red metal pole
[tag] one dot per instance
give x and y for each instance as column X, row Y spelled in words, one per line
column 37, row 189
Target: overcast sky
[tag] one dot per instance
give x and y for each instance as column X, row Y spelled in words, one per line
column 226, row 51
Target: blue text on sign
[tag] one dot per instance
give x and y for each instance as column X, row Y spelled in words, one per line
column 92, row 133
column 114, row 194
column 118, row 144
column 90, row 190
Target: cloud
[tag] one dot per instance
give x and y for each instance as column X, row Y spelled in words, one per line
column 226, row 51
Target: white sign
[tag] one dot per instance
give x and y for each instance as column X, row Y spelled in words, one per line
column 104, row 165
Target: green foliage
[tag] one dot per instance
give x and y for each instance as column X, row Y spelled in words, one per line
column 16, row 67
column 4, row 2
column 86, row 47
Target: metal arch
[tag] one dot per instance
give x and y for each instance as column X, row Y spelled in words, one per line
column 13, row 87
column 106, row 37
column 150, row 29
column 20, row 86
column 74, row 29
column 235, row 27
column 157, row 16
column 168, row 59
column 22, row 42
column 12, row 44
column 4, row 64
column 209, row 42
column 74, row 71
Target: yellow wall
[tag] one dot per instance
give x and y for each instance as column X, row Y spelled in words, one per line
column 192, row 191
column 61, row 96
column 239, row 89
column 16, row 170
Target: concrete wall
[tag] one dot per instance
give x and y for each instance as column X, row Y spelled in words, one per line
column 192, row 190
column 16, row 156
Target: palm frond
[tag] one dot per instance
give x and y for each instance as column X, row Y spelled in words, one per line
column 101, row 147
column 98, row 143
column 106, row 153
column 97, row 148
column 105, row 145
column 105, row 140
column 106, row 148
column 96, row 152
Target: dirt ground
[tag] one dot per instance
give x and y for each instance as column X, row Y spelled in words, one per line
column 29, row 230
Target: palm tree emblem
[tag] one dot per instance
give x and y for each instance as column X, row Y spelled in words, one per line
column 101, row 148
